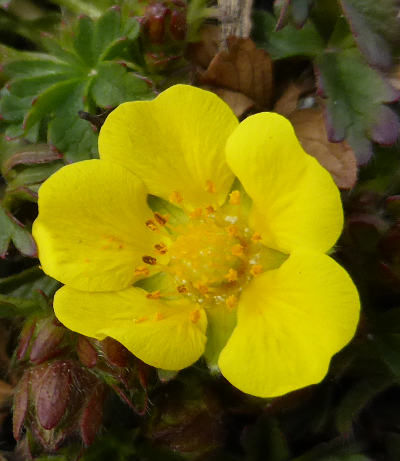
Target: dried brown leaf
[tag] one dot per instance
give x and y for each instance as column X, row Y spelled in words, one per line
column 202, row 52
column 242, row 68
column 238, row 102
column 288, row 102
column 338, row 158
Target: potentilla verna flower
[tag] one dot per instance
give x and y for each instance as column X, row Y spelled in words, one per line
column 162, row 249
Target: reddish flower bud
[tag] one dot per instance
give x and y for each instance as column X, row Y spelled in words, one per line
column 54, row 393
column 20, row 407
column 45, row 345
column 92, row 415
column 25, row 338
column 87, row 354
column 115, row 353
column 154, row 22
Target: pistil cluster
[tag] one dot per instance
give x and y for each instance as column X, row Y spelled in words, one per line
column 213, row 254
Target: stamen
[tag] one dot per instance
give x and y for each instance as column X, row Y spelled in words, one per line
column 232, row 275
column 162, row 219
column 210, row 209
column 231, row 302
column 195, row 316
column 201, row 287
column 161, row 248
column 159, row 316
column 142, row 270
column 176, row 197
column 182, row 289
column 196, row 213
column 149, row 260
column 154, row 295
column 210, row 186
column 237, row 250
column 140, row 319
column 151, row 225
column 256, row 269
column 232, row 230
column 234, row 197
column 256, row 237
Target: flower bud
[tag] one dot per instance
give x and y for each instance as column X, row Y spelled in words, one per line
column 46, row 344
column 87, row 354
column 115, row 353
column 58, row 400
column 164, row 22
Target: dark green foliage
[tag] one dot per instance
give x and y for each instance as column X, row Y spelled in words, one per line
column 355, row 92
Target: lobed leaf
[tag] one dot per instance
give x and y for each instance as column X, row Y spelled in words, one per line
column 375, row 28
column 355, row 96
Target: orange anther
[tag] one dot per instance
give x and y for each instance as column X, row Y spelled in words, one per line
column 195, row 316
column 234, row 197
column 210, row 209
column 210, row 186
column 154, row 295
column 176, row 197
column 161, row 248
column 256, row 269
column 237, row 250
column 232, row 275
column 142, row 270
column 159, row 316
column 231, row 302
column 232, row 230
column 201, row 287
column 162, row 219
column 149, row 260
column 182, row 289
column 151, row 225
column 140, row 319
column 256, row 237
column 196, row 213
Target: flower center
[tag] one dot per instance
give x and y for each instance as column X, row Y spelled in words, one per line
column 204, row 255
column 212, row 255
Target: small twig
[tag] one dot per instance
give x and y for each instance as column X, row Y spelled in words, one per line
column 235, row 17
column 96, row 120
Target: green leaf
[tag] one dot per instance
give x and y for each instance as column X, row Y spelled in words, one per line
column 357, row 398
column 73, row 137
column 29, row 155
column 34, row 175
column 25, row 283
column 114, row 85
column 22, row 294
column 375, row 28
column 12, row 307
column 64, row 98
column 12, row 230
column 32, row 86
column 265, row 441
column 288, row 41
column 12, row 108
column 83, row 41
column 107, row 30
column 355, row 96
column 35, row 67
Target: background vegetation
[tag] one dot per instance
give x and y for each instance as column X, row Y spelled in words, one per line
column 331, row 66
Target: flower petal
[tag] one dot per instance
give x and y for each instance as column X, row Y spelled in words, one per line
column 291, row 321
column 174, row 143
column 91, row 231
column 165, row 335
column 296, row 202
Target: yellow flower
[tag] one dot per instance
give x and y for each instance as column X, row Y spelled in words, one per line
column 232, row 269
